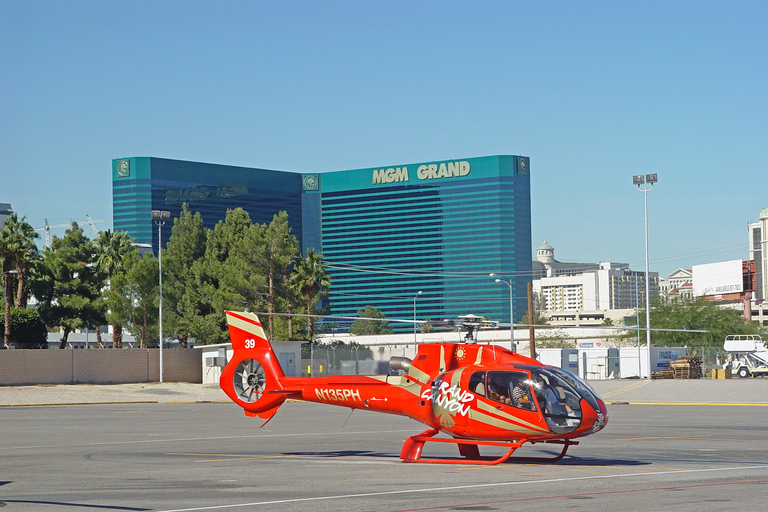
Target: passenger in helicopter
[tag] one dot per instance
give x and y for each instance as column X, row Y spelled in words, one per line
column 497, row 393
column 521, row 395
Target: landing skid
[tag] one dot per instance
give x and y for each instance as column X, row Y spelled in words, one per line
column 469, row 449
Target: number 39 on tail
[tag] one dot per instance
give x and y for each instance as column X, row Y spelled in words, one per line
column 478, row 395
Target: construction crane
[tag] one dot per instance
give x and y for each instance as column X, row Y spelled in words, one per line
column 48, row 228
column 93, row 224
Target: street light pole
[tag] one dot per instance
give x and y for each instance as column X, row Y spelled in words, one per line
column 511, row 315
column 160, row 216
column 414, row 316
column 639, row 180
column 7, row 324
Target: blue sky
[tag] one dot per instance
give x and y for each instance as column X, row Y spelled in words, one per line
column 593, row 92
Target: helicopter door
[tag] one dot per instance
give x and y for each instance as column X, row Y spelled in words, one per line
column 506, row 405
column 450, row 402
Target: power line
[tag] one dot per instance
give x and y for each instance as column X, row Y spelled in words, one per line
column 469, row 275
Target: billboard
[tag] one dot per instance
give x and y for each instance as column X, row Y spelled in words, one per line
column 718, row 278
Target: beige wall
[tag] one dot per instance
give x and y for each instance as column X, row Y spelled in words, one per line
column 98, row 366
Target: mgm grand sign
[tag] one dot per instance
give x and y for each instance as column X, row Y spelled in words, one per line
column 423, row 172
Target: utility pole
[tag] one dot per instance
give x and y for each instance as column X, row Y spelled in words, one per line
column 159, row 217
column 531, row 330
column 639, row 180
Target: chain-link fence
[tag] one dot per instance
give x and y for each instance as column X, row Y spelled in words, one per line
column 711, row 357
column 322, row 362
column 374, row 359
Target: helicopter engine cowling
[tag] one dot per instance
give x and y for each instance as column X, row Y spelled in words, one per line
column 399, row 363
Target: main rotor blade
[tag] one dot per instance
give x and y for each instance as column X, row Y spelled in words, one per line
column 613, row 327
column 332, row 317
column 452, row 324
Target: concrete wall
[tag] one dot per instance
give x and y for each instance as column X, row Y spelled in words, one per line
column 98, row 366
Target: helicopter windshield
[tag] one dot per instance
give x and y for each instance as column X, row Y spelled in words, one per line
column 586, row 391
column 558, row 399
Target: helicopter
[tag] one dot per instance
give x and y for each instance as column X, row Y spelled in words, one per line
column 478, row 395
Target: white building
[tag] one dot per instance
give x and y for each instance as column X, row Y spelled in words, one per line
column 5, row 212
column 679, row 283
column 758, row 251
column 588, row 293
column 546, row 265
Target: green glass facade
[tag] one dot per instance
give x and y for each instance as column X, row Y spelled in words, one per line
column 386, row 233
column 436, row 227
column 143, row 184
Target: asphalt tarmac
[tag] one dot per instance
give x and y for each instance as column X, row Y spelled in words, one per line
column 735, row 391
column 682, row 445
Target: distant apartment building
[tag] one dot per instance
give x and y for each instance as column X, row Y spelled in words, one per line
column 758, row 251
column 546, row 265
column 588, row 293
column 5, row 212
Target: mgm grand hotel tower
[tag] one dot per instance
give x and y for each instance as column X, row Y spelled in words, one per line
column 414, row 240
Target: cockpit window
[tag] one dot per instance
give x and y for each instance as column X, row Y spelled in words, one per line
column 477, row 383
column 585, row 390
column 499, row 387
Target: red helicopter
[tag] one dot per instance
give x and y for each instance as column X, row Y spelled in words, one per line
column 480, row 395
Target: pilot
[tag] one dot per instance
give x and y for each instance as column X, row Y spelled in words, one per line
column 549, row 400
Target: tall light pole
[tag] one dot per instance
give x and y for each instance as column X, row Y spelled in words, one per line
column 160, row 216
column 7, row 329
column 414, row 316
column 511, row 315
column 640, row 180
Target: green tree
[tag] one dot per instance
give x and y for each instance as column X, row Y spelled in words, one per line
column 18, row 250
column 27, row 328
column 553, row 338
column 279, row 249
column 182, row 258
column 363, row 326
column 111, row 248
column 134, row 297
column 538, row 319
column 693, row 314
column 292, row 299
column 231, row 274
column 311, row 281
column 69, row 287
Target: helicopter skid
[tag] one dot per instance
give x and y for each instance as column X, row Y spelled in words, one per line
column 469, row 450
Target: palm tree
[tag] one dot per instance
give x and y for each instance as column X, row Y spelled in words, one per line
column 312, row 282
column 17, row 249
column 111, row 249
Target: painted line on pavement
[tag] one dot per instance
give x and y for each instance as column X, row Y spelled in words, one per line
column 459, row 487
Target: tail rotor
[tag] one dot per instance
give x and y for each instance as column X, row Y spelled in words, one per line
column 252, row 378
column 249, row 380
